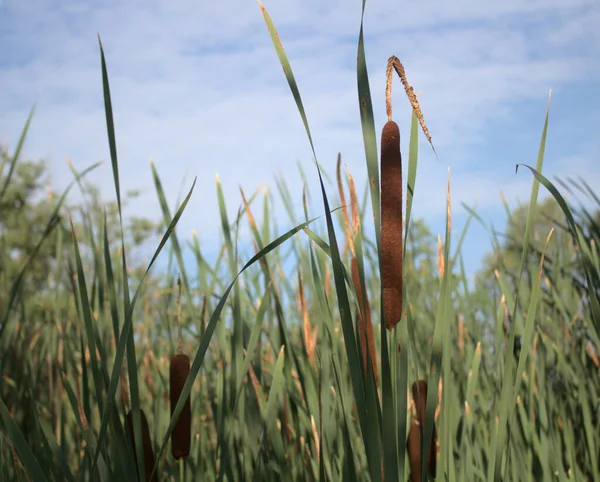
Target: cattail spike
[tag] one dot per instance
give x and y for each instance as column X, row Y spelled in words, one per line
column 417, row 425
column 391, row 223
column 181, row 435
column 365, row 325
column 146, row 445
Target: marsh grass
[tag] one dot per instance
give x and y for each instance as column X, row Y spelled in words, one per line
column 287, row 379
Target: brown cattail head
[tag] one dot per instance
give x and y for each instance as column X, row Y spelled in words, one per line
column 146, row 445
column 419, row 394
column 391, row 223
column 417, row 425
column 365, row 325
column 181, row 435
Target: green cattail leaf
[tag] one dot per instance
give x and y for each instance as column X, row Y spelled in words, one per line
column 27, row 457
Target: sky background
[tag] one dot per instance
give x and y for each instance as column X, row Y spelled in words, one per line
column 197, row 87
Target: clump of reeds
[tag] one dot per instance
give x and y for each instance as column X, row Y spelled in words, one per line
column 413, row 446
column 179, row 370
column 146, row 445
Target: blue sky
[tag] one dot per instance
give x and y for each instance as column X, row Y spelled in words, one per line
column 197, row 87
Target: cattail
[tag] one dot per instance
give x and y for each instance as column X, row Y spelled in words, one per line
column 365, row 326
column 146, row 445
column 419, row 393
column 181, row 435
column 391, row 223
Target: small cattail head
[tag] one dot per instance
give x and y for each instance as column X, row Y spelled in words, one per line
column 146, row 445
column 181, row 435
column 413, row 446
column 365, row 325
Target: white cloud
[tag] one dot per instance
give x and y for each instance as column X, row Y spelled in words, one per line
column 200, row 90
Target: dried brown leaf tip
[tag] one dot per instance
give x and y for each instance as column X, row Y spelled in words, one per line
column 395, row 64
column 181, row 435
column 440, row 258
column 417, row 425
column 310, row 334
column 349, row 239
column 354, row 205
column 391, row 223
column 146, row 445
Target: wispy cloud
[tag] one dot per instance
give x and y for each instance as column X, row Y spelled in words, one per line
column 197, row 87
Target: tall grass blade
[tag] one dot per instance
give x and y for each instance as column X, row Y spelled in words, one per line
column 499, row 442
column 27, row 457
column 16, row 155
column 365, row 396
